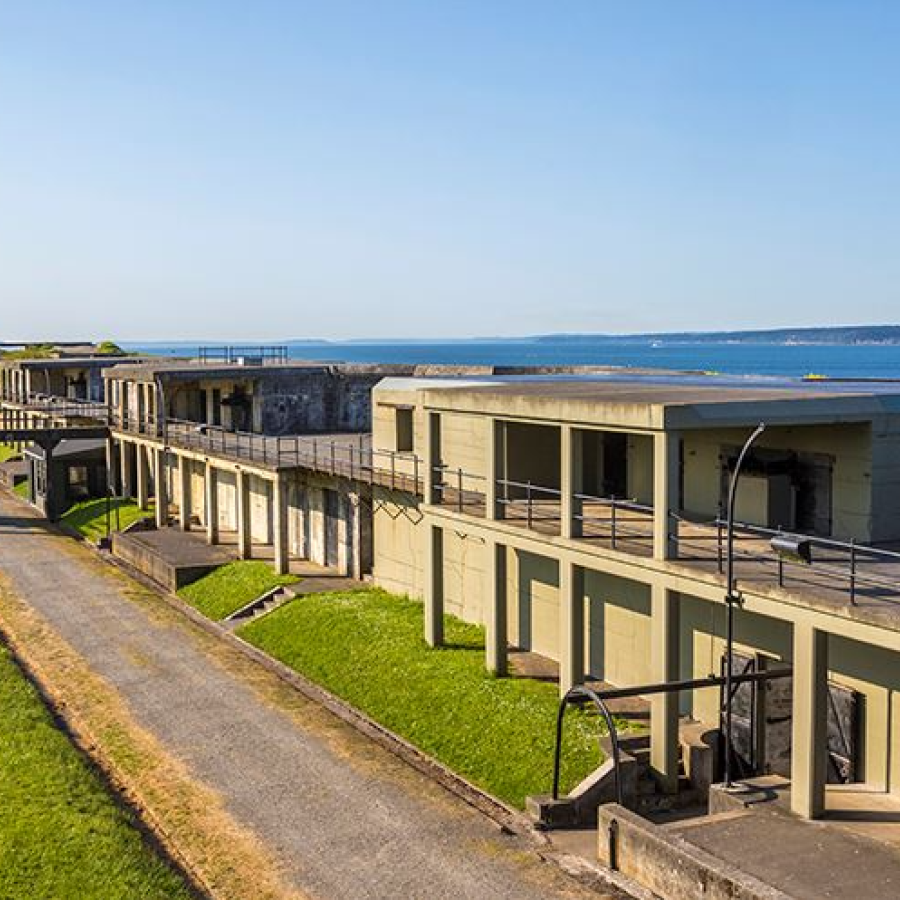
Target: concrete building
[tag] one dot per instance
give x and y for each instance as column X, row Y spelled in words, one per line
column 263, row 454
column 581, row 520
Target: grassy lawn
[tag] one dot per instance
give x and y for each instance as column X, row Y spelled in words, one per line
column 89, row 517
column 62, row 836
column 22, row 489
column 232, row 586
column 7, row 452
column 367, row 647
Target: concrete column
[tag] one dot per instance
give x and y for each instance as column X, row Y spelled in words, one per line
column 242, row 505
column 570, row 481
column 126, row 462
column 495, row 618
column 434, row 585
column 280, row 524
column 211, row 503
column 571, row 626
column 316, row 550
column 143, row 476
column 432, row 456
column 666, row 474
column 809, row 735
column 344, row 531
column 162, row 490
column 184, row 493
column 493, row 466
column 664, row 643
column 112, row 468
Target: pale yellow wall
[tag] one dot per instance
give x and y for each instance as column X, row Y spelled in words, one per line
column 533, row 603
column 464, row 577
column 398, row 548
column 886, row 479
column 851, row 484
column 226, row 490
column 617, row 629
column 640, row 468
column 260, row 509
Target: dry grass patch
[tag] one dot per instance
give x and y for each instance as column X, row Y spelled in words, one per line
column 189, row 818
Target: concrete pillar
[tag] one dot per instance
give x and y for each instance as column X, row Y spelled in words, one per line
column 184, row 493
column 493, row 466
column 571, row 626
column 495, row 612
column 242, row 505
column 344, row 531
column 434, row 585
column 570, row 481
column 432, row 474
column 280, row 524
column 126, row 462
column 143, row 476
column 664, row 643
column 162, row 490
column 211, row 503
column 809, row 744
column 112, row 468
column 666, row 475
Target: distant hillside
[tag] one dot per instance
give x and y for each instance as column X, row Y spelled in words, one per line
column 843, row 334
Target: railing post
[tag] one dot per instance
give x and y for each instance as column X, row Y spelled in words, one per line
column 853, row 571
column 459, row 490
column 315, row 443
column 393, row 470
column 528, row 511
column 416, row 474
column 780, row 571
column 612, row 523
column 350, row 448
column 332, row 457
column 720, row 558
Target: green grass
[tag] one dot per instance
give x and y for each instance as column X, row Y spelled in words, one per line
column 367, row 647
column 22, row 489
column 62, row 836
column 7, row 453
column 89, row 517
column 232, row 586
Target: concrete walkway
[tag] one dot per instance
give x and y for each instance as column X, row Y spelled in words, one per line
column 344, row 816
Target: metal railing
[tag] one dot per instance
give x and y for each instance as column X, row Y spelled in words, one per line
column 612, row 518
column 454, row 487
column 269, row 354
column 835, row 563
column 534, row 503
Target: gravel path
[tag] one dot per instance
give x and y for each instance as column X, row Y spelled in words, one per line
column 344, row 816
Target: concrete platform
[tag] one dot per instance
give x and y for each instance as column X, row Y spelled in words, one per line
column 171, row 557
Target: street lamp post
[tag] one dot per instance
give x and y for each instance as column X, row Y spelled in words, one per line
column 731, row 597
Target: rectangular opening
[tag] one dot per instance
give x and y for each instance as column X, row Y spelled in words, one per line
column 405, row 441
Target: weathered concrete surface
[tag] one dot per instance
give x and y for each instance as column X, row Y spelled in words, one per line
column 346, row 818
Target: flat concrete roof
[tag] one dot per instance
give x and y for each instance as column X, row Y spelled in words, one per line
column 659, row 400
column 70, row 362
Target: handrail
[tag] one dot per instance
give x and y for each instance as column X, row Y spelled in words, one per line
column 573, row 695
column 581, row 692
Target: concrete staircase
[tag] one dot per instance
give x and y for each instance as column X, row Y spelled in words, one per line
column 261, row 606
column 641, row 792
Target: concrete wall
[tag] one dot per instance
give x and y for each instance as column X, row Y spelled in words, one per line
column 617, row 629
column 851, row 482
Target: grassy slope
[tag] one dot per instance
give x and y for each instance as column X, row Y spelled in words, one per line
column 232, row 586
column 61, row 835
column 7, row 452
column 367, row 647
column 22, row 489
column 89, row 517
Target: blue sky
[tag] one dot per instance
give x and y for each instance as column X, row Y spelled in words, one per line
column 253, row 171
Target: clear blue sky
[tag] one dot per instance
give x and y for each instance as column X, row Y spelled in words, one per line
column 261, row 170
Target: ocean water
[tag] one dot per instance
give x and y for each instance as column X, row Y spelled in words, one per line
column 832, row 360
